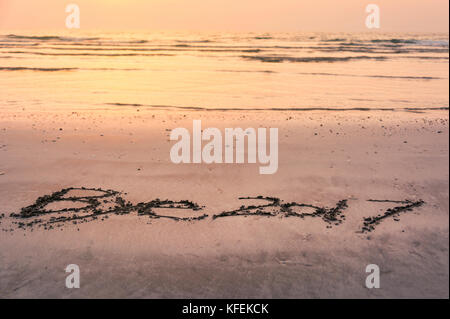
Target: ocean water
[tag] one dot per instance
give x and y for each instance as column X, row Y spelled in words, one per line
column 223, row 71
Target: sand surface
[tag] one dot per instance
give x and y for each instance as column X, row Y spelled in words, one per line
column 324, row 157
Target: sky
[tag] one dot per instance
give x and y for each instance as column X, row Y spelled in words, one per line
column 228, row 15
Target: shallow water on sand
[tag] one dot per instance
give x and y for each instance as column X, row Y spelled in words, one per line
column 231, row 71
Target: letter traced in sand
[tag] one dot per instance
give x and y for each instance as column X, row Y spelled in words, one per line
column 371, row 222
column 80, row 205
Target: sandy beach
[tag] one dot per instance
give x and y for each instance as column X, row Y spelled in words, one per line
column 324, row 157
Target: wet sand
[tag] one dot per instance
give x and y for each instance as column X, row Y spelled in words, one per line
column 364, row 158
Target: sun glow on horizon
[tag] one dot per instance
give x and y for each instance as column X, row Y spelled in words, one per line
column 230, row 15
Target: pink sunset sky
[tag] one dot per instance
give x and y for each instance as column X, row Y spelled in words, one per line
column 228, row 15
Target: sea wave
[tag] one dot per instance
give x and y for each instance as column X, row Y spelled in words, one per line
column 278, row 59
column 280, row 109
column 48, row 37
column 42, row 69
column 36, row 69
column 88, row 54
column 375, row 76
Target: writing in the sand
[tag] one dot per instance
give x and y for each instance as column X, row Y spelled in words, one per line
column 100, row 204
